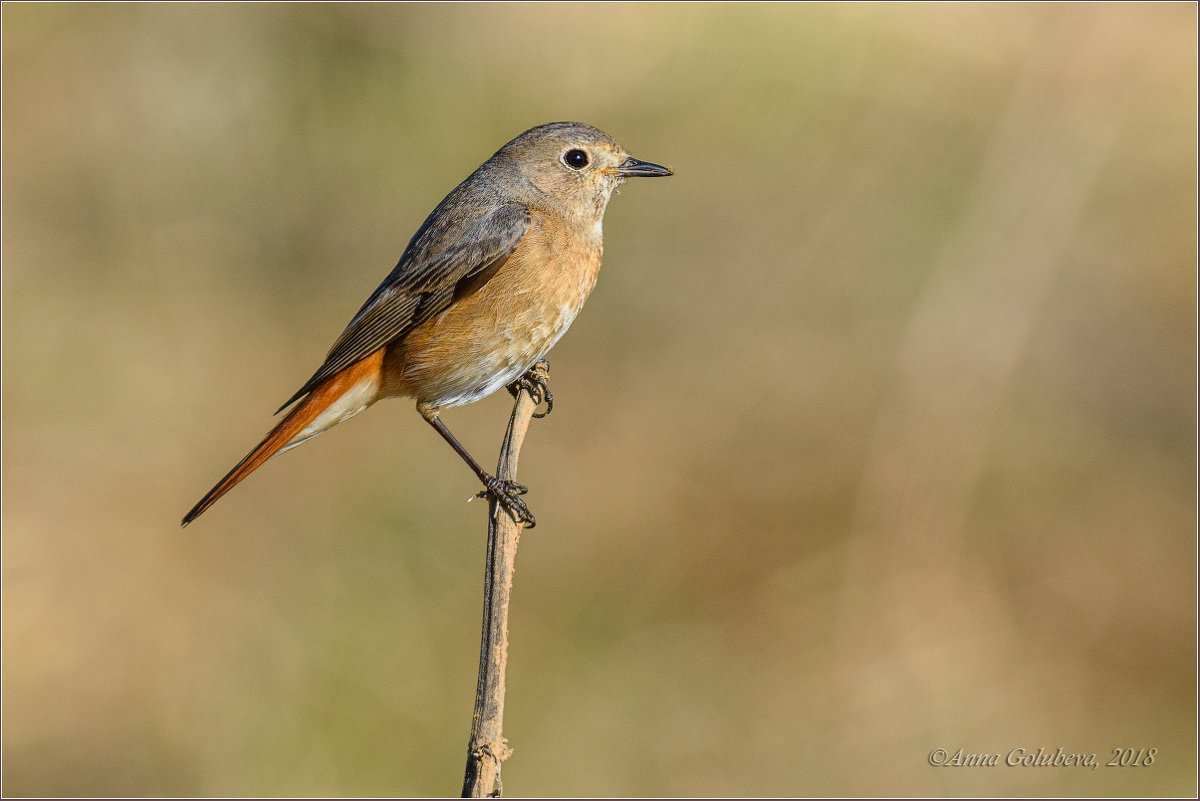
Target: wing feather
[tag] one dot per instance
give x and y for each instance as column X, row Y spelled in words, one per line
column 462, row 238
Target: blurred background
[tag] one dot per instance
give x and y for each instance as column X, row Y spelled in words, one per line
column 877, row 435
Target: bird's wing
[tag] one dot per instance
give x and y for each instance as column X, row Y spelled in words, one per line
column 453, row 250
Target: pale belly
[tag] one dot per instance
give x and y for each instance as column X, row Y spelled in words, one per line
column 500, row 352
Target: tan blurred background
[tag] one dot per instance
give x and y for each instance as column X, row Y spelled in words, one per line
column 877, row 435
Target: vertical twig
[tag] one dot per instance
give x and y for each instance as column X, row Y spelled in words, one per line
column 487, row 747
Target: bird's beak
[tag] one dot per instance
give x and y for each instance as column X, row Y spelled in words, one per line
column 633, row 168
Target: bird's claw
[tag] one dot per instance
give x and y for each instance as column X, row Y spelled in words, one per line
column 534, row 382
column 508, row 494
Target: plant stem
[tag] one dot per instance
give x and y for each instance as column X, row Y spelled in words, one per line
column 487, row 747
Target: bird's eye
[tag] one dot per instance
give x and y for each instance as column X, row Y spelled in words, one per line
column 575, row 159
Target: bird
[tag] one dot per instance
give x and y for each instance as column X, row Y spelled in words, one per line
column 487, row 285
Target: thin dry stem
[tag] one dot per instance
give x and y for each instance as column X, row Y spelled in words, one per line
column 487, row 747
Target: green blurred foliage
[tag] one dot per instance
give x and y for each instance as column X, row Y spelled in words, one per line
column 877, row 435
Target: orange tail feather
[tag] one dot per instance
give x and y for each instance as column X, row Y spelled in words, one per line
column 309, row 409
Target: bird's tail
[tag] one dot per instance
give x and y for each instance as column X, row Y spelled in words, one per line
column 338, row 398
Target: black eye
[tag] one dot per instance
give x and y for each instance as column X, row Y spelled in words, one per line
column 575, row 159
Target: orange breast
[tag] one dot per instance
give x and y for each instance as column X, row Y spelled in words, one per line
column 487, row 339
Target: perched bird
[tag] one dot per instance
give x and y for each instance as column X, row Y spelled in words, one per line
column 487, row 285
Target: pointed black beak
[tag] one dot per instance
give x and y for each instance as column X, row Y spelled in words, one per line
column 632, row 168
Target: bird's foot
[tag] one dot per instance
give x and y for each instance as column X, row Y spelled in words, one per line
column 534, row 381
column 508, row 494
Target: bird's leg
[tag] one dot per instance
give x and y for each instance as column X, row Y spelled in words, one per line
column 507, row 492
column 535, row 382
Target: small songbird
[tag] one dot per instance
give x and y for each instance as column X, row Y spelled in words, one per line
column 487, row 285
